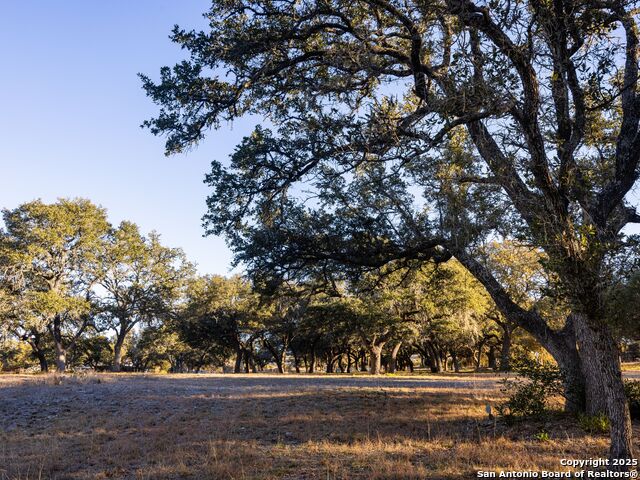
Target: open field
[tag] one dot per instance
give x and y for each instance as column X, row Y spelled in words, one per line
column 134, row 426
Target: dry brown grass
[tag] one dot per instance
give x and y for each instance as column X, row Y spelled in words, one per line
column 268, row 427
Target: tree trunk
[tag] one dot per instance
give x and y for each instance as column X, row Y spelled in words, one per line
column 61, row 358
column 479, row 357
column 434, row 359
column 491, row 355
column 44, row 365
column 456, row 363
column 505, row 350
column 375, row 358
column 595, row 401
column 312, row 360
column 330, row 361
column 61, row 355
column 282, row 362
column 117, row 353
column 601, row 361
column 296, row 362
column 38, row 351
column 393, row 362
column 237, row 368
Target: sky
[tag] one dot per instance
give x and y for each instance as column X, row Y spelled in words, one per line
column 72, row 106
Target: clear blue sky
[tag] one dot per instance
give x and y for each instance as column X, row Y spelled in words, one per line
column 71, row 108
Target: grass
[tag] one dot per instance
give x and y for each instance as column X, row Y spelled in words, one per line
column 126, row 426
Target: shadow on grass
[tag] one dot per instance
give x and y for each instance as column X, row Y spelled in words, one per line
column 268, row 427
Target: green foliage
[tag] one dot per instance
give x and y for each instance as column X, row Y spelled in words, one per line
column 542, row 436
column 141, row 281
column 594, row 423
column 49, row 254
column 529, row 393
column 95, row 351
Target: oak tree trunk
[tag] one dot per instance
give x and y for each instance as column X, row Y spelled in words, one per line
column 505, row 350
column 237, row 368
column 61, row 358
column 601, row 364
column 117, row 353
column 393, row 362
column 456, row 363
column 44, row 365
column 491, row 355
column 375, row 358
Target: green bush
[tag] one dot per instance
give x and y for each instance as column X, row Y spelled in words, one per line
column 529, row 393
column 594, row 423
column 542, row 436
column 632, row 391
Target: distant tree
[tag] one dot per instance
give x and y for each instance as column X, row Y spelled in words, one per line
column 14, row 354
column 284, row 314
column 141, row 282
column 94, row 351
column 450, row 306
column 162, row 348
column 49, row 254
column 225, row 313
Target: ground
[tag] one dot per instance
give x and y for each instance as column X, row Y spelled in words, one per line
column 135, row 426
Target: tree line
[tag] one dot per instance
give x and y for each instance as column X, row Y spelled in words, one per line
column 77, row 290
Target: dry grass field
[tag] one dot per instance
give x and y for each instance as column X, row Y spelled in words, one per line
column 130, row 426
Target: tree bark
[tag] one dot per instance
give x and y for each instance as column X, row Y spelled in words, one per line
column 44, row 365
column 296, row 363
column 434, row 359
column 117, row 352
column 282, row 362
column 61, row 358
column 237, row 368
column 393, row 362
column 330, row 362
column 456, row 363
column 491, row 355
column 479, row 357
column 312, row 359
column 375, row 358
column 505, row 350
column 601, row 364
column 595, row 401
column 34, row 339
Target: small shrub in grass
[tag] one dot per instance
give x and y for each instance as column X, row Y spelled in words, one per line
column 594, row 423
column 542, row 436
column 632, row 391
column 530, row 392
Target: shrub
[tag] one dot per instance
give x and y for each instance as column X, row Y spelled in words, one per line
column 542, row 436
column 594, row 423
column 529, row 393
column 632, row 391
